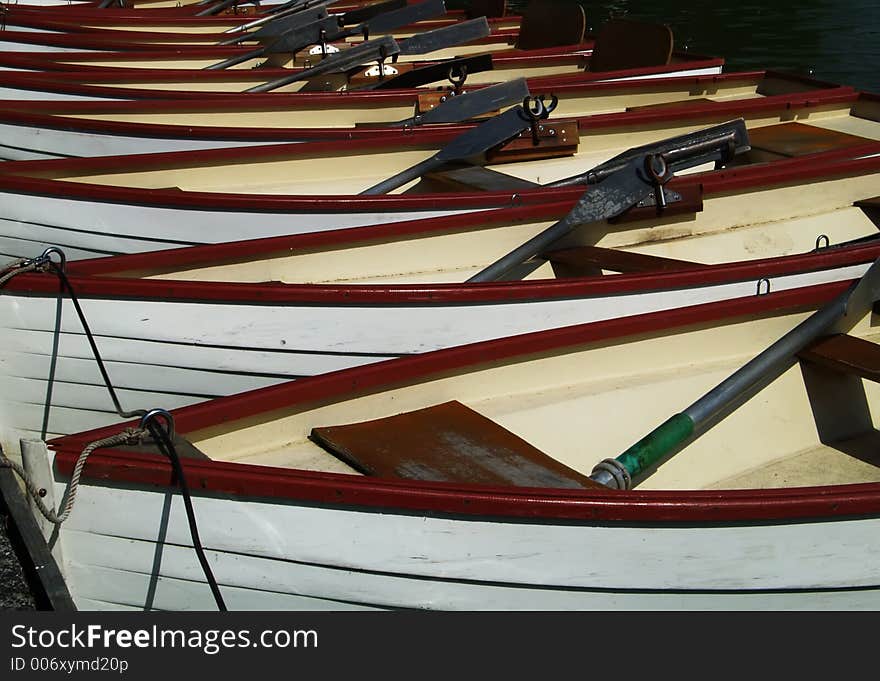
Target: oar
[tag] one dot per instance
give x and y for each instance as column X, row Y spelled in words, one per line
column 467, row 147
column 432, row 73
column 380, row 48
column 379, row 24
column 276, row 26
column 447, row 36
column 328, row 29
column 273, row 26
column 290, row 41
column 219, row 7
column 472, row 104
column 838, row 316
column 624, row 182
column 367, row 12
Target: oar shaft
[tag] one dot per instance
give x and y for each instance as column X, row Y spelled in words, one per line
column 759, row 371
column 238, row 59
column 534, row 246
column 402, row 178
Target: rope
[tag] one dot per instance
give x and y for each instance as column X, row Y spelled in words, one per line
column 127, row 436
column 20, row 267
column 163, row 438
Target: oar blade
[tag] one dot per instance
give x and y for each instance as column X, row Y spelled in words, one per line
column 467, row 147
column 388, row 21
column 362, row 14
column 447, row 36
column 479, row 140
column 475, row 103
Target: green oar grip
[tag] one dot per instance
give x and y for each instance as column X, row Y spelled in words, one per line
column 656, row 444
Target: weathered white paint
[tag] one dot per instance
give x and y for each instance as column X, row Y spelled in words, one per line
column 23, row 142
column 97, row 228
column 307, row 555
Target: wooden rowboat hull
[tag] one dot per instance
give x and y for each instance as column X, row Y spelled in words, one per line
column 92, row 207
column 164, row 318
column 284, row 537
column 31, row 131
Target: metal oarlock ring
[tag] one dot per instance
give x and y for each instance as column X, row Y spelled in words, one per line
column 537, row 109
column 152, row 415
column 657, row 168
column 457, row 76
column 616, row 470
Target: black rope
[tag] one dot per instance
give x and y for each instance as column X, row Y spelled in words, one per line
column 166, row 446
column 65, row 282
column 163, row 441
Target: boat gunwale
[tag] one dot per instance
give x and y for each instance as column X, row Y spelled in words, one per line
column 840, row 161
column 685, row 111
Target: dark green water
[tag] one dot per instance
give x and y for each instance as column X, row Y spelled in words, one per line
column 835, row 40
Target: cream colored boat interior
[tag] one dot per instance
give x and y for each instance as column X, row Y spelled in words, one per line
column 351, row 172
column 586, row 101
column 182, row 61
column 811, row 426
column 728, row 229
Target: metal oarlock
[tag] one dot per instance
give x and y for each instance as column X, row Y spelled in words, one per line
column 537, row 110
column 152, row 415
column 457, row 77
column 659, row 174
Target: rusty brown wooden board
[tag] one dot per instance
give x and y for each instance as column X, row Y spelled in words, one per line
column 590, row 257
column 447, row 442
column 798, row 139
column 486, row 8
column 555, row 140
column 622, row 44
column 846, row 354
column 549, row 23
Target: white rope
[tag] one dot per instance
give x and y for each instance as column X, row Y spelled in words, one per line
column 127, row 436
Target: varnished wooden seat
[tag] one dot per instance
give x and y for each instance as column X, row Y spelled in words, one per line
column 447, row 442
column 486, row 8
column 798, row 139
column 623, row 44
column 845, row 354
column 549, row 23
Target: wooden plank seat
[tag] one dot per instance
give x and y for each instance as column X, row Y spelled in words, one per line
column 624, row 44
column 798, row 139
column 446, row 442
column 549, row 23
column 586, row 261
column 845, row 354
column 486, row 8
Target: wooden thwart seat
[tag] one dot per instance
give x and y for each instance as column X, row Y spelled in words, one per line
column 623, row 44
column 798, row 139
column 447, row 442
column 549, row 23
column 845, row 354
